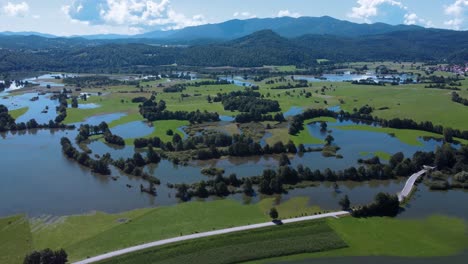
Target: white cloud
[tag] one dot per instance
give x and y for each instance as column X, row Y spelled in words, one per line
column 131, row 13
column 457, row 11
column 369, row 8
column 414, row 19
column 244, row 15
column 287, row 13
column 20, row 9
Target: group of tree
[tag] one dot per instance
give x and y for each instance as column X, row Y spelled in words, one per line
column 62, row 107
column 87, row 131
column 207, row 82
column 152, row 111
column 92, row 81
column 250, row 104
column 441, row 86
column 297, row 123
column 7, row 123
column 384, row 205
column 175, row 88
column 46, row 256
column 215, row 145
column 258, row 117
column 457, row 99
column 218, row 186
column 100, row 166
column 134, row 166
column 298, row 84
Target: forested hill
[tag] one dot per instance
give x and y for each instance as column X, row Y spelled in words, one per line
column 258, row 49
column 284, row 26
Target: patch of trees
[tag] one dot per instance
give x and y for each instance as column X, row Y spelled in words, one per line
column 441, row 80
column 178, row 88
column 7, row 123
column 215, row 145
column 74, row 102
column 257, row 117
column 152, row 111
column 297, row 123
column 285, row 177
column 206, row 83
column 299, row 84
column 248, row 92
column 62, row 108
column 368, row 82
column 100, row 166
column 87, row 131
column 46, row 256
column 218, row 186
column 457, row 99
column 134, row 166
column 250, row 104
column 91, row 81
column 442, row 86
column 140, row 99
column 384, row 205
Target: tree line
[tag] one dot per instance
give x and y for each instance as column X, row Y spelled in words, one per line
column 297, row 123
column 132, row 166
column 215, row 145
column 458, row 99
column 274, row 181
column 152, row 111
column 86, row 131
column 7, row 123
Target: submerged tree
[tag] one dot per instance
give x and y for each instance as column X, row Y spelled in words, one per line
column 274, row 213
column 345, row 203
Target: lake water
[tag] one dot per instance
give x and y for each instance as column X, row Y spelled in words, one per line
column 354, row 142
column 51, row 184
column 355, row 77
column 37, row 109
column 137, row 129
column 237, row 80
column 293, row 111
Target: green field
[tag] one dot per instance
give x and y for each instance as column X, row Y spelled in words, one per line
column 89, row 235
column 98, row 233
column 18, row 112
column 406, row 101
column 15, row 239
column 381, row 154
column 243, row 246
column 434, row 236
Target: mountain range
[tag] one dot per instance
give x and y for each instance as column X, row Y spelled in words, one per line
column 284, row 26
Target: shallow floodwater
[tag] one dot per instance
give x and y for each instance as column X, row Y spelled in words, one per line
column 354, row 142
column 137, row 129
column 52, row 184
column 43, row 109
column 237, row 80
column 356, row 77
column 37, row 178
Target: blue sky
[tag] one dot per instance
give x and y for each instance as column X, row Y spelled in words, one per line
column 83, row 17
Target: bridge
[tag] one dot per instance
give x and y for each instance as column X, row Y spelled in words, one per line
column 411, row 181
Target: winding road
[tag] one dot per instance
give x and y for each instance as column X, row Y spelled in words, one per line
column 206, row 234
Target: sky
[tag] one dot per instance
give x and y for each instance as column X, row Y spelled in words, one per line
column 87, row 17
